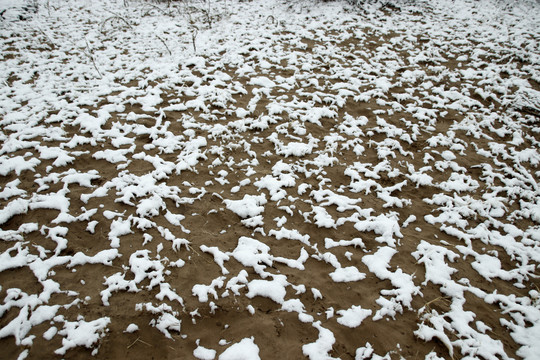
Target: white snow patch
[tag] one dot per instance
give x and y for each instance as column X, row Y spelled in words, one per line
column 353, row 316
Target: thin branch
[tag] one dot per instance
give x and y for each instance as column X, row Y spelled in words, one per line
column 138, row 340
column 91, row 56
column 51, row 44
column 194, row 33
column 164, row 43
column 160, row 9
column 115, row 17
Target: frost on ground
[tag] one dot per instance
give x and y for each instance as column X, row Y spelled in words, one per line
column 225, row 179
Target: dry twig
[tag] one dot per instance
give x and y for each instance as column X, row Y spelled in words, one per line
column 91, row 56
column 136, row 341
column 164, row 43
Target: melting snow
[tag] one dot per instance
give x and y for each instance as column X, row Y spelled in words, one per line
column 223, row 144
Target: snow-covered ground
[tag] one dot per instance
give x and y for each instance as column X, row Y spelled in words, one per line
column 264, row 179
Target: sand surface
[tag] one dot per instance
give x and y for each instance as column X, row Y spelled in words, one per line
column 261, row 172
